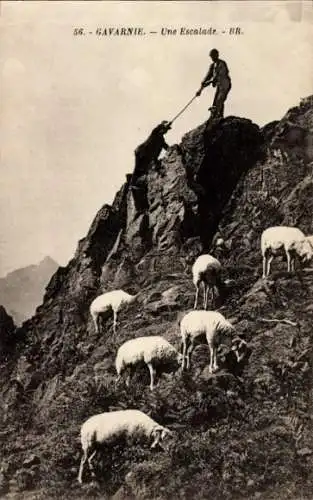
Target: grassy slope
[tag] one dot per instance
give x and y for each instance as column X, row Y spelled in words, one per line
column 239, row 437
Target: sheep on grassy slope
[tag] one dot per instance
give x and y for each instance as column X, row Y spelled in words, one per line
column 104, row 428
column 109, row 301
column 286, row 240
column 154, row 351
column 208, row 271
column 216, row 329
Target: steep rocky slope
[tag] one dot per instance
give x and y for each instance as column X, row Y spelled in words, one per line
column 242, row 433
column 22, row 290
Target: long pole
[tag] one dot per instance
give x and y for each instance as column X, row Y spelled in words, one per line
column 182, row 110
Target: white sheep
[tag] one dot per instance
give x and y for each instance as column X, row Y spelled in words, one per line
column 108, row 301
column 206, row 270
column 104, row 428
column 216, row 329
column 278, row 240
column 153, row 351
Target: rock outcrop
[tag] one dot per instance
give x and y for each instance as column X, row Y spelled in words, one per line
column 7, row 329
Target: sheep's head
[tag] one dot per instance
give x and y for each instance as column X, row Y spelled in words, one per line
column 177, row 361
column 132, row 298
column 172, row 362
column 239, row 347
column 163, row 437
column 306, row 252
column 227, row 333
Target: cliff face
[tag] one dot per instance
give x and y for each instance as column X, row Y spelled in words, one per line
column 231, row 179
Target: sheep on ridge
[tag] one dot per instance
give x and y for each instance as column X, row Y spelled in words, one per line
column 154, row 351
column 217, row 330
column 104, row 428
column 278, row 240
column 108, row 301
column 208, row 271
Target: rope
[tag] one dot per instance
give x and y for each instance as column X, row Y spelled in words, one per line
column 185, row 107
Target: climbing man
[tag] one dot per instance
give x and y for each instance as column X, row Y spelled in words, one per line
column 218, row 75
column 146, row 153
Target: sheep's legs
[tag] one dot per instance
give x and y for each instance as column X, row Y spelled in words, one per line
column 291, row 261
column 215, row 365
column 206, row 294
column 92, row 471
column 197, row 295
column 184, row 355
column 84, row 459
column 95, row 319
column 269, row 260
column 114, row 322
column 213, row 361
column 81, row 467
column 152, row 375
column 127, row 381
column 264, row 266
column 189, row 352
column 129, row 375
column 213, row 297
column 288, row 261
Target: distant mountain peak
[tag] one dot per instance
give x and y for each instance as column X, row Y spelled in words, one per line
column 22, row 290
column 47, row 260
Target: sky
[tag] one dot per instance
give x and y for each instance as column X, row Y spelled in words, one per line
column 74, row 108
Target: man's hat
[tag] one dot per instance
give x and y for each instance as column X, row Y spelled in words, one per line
column 214, row 52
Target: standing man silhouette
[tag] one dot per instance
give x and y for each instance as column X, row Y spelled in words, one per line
column 218, row 75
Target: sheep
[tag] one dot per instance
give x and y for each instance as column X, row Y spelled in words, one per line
column 114, row 301
column 207, row 270
column 217, row 330
column 283, row 239
column 103, row 428
column 153, row 351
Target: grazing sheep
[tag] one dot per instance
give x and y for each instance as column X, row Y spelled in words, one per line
column 114, row 301
column 217, row 330
column 105, row 427
column 207, row 270
column 153, row 351
column 283, row 239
